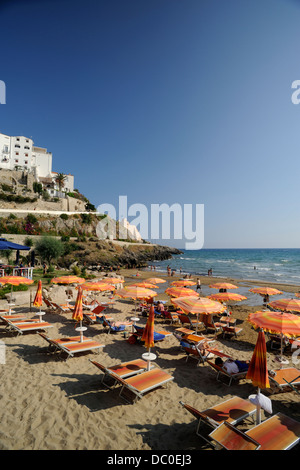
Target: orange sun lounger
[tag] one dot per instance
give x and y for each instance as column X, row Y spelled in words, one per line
column 123, row 370
column 135, row 387
column 284, row 378
column 276, row 433
column 21, row 326
column 72, row 345
column 233, row 411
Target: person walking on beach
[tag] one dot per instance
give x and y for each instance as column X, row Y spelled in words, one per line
column 198, row 284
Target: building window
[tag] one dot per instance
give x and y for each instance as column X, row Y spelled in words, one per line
column 18, row 139
column 18, row 146
column 17, row 153
column 17, row 161
column 26, row 154
column 26, row 162
column 26, row 147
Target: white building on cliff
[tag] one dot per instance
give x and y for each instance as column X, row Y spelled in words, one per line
column 19, row 152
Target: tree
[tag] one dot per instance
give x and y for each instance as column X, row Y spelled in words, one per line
column 49, row 248
column 60, row 179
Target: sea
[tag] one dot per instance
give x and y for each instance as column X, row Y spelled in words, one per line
column 270, row 265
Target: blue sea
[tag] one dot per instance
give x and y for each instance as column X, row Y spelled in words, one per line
column 271, row 265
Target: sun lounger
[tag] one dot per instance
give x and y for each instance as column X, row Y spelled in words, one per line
column 189, row 346
column 73, row 345
column 123, row 370
column 61, row 308
column 209, row 323
column 186, row 320
column 234, row 410
column 13, row 317
column 158, row 335
column 221, row 373
column 285, row 379
column 276, row 433
column 24, row 326
column 230, row 330
column 171, row 316
column 135, row 387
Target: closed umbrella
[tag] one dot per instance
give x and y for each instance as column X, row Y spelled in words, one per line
column 78, row 312
column 148, row 333
column 38, row 299
column 258, row 371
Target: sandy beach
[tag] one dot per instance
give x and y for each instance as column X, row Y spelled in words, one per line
column 51, row 404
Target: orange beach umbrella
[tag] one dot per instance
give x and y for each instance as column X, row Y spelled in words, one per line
column 198, row 305
column 147, row 285
column 265, row 291
column 68, row 280
column 135, row 292
column 258, row 369
column 183, row 283
column 38, row 299
column 156, row 280
column 96, row 286
column 15, row 281
column 225, row 296
column 223, row 285
column 286, row 305
column 283, row 323
column 112, row 280
column 180, row 292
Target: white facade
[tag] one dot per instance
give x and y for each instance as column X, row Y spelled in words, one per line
column 19, row 152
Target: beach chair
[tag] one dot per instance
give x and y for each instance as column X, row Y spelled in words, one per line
column 283, row 380
column 24, row 326
column 234, row 410
column 158, row 335
column 172, row 316
column 186, row 320
column 209, row 324
column 72, row 345
column 64, row 308
column 188, row 343
column 12, row 317
column 137, row 386
column 221, row 373
column 49, row 304
column 276, row 433
column 123, row 370
column 230, row 330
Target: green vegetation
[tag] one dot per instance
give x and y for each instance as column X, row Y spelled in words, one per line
column 49, row 248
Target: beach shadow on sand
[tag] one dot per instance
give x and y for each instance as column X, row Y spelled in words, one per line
column 88, row 391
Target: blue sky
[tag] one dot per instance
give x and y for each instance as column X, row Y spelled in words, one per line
column 165, row 101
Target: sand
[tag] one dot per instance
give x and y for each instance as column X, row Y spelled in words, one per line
column 51, row 404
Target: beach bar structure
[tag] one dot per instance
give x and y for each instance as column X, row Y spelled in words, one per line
column 17, row 271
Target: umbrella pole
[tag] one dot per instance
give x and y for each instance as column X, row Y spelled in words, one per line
column 258, row 410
